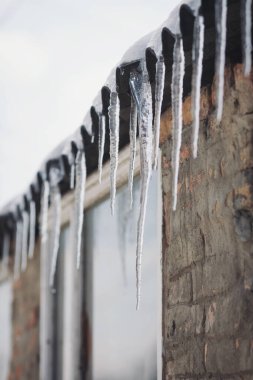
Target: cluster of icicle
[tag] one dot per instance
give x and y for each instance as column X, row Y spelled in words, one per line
column 141, row 115
column 25, row 240
column 55, row 198
column 197, row 65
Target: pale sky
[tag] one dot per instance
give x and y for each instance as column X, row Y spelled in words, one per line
column 54, row 57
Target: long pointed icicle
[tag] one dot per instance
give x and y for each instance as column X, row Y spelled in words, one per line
column 197, row 61
column 32, row 226
column 24, row 240
column 56, row 223
column 44, row 213
column 132, row 137
column 72, row 176
column 221, row 31
column 114, row 143
column 159, row 87
column 101, row 145
column 145, row 130
column 177, row 105
column 246, row 6
column 6, row 252
column 79, row 203
column 18, row 249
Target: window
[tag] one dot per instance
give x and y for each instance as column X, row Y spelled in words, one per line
column 90, row 328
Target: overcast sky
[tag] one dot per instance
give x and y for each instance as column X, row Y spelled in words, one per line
column 54, row 57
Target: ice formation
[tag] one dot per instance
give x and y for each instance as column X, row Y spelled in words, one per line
column 101, row 145
column 72, row 176
column 159, row 87
column 18, row 249
column 145, row 132
column 44, row 213
column 221, row 31
column 246, row 23
column 141, row 110
column 197, row 61
column 135, row 83
column 113, row 112
column 25, row 230
column 55, row 196
column 177, row 105
column 132, row 138
column 79, row 203
column 32, row 227
column 6, row 251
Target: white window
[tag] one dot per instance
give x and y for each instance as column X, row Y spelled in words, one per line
column 91, row 328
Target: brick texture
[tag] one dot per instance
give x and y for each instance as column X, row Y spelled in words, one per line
column 25, row 323
column 207, row 242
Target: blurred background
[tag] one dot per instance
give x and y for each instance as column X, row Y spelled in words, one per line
column 54, row 57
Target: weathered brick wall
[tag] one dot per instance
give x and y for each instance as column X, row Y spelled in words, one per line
column 207, row 242
column 25, row 323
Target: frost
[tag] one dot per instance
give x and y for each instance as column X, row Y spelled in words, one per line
column 246, row 6
column 55, row 196
column 32, row 226
column 44, row 213
column 221, row 30
column 6, row 252
column 132, row 137
column 197, row 60
column 114, row 143
column 79, row 203
column 72, row 176
column 159, row 87
column 101, row 144
column 25, row 226
column 145, row 131
column 177, row 102
column 18, row 249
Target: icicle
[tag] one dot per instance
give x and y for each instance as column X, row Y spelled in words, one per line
column 6, row 252
column 18, row 249
column 197, row 61
column 220, row 22
column 101, row 144
column 114, row 143
column 55, row 196
column 79, row 203
column 246, row 6
column 135, row 83
column 145, row 130
column 32, row 221
column 132, row 137
column 24, row 240
column 72, row 176
column 159, row 87
column 44, row 213
column 177, row 105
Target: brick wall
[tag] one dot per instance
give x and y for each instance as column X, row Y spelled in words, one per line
column 25, row 323
column 207, row 242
